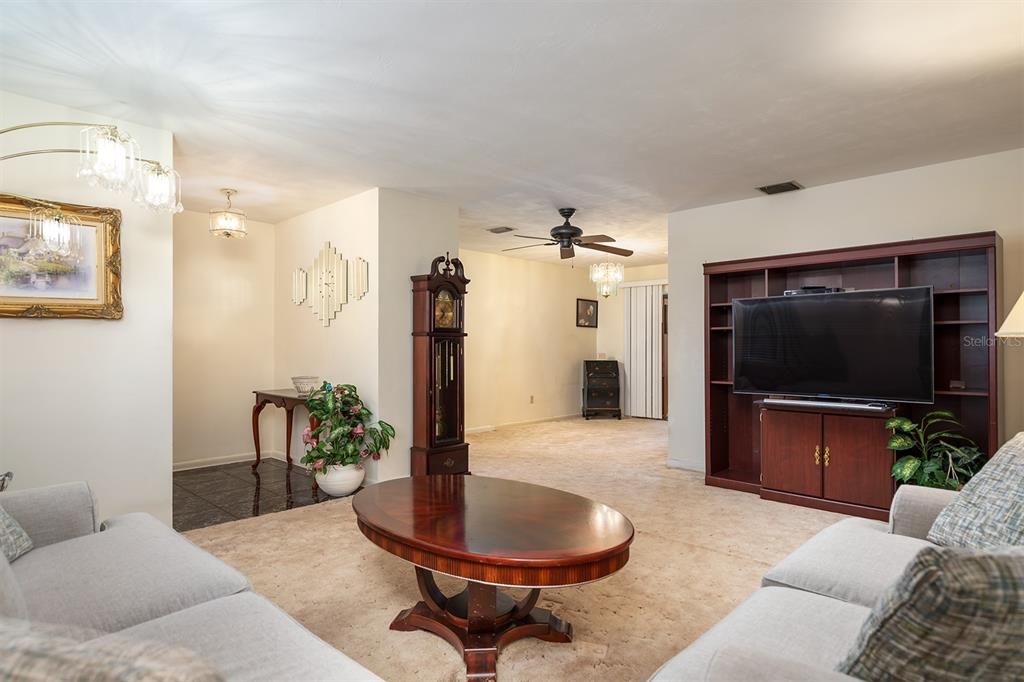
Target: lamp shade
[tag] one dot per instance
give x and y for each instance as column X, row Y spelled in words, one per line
column 1013, row 325
column 228, row 222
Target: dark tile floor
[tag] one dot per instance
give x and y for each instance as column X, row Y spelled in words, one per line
column 204, row 497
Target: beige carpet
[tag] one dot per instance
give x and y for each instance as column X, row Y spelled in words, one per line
column 698, row 552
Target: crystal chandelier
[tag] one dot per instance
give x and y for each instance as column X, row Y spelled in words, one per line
column 228, row 222
column 159, row 188
column 108, row 158
column 60, row 234
column 607, row 277
column 111, row 159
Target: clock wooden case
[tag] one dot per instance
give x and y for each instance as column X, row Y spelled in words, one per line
column 438, row 443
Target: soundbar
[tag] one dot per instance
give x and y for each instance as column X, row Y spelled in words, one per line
column 853, row 407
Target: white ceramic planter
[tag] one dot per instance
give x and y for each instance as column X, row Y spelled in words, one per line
column 341, row 479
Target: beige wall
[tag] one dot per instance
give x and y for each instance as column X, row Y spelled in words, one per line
column 91, row 399
column 611, row 332
column 413, row 231
column 223, row 339
column 523, row 340
column 980, row 193
column 369, row 342
column 346, row 351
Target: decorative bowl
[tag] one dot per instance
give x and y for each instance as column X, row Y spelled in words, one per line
column 305, row 385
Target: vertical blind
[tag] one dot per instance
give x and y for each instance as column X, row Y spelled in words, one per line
column 643, row 309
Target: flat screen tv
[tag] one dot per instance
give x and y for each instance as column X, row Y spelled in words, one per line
column 872, row 345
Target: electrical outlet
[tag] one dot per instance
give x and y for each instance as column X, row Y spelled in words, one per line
column 531, row 400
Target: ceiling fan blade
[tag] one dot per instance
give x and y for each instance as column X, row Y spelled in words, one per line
column 608, row 249
column 592, row 238
column 529, row 246
column 567, row 252
column 526, row 236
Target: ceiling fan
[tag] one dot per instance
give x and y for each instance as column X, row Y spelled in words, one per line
column 567, row 236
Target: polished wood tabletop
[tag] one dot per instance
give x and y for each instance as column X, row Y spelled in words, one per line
column 493, row 533
column 494, row 530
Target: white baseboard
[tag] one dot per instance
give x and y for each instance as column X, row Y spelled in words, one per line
column 481, row 429
column 226, row 459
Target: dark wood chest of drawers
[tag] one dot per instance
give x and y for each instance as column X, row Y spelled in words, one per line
column 601, row 393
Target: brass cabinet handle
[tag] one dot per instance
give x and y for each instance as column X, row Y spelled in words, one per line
column 827, row 454
column 817, row 455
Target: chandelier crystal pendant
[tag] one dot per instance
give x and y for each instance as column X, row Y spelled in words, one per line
column 109, row 158
column 228, row 222
column 57, row 233
column 607, row 276
column 159, row 188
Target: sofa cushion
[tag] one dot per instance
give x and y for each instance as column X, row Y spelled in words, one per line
column 806, row 627
column 245, row 637
column 989, row 511
column 736, row 663
column 854, row 560
column 31, row 655
column 135, row 570
column 12, row 603
column 14, row 541
column 954, row 615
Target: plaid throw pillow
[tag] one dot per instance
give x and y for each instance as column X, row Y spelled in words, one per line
column 952, row 615
column 14, row 541
column 989, row 511
column 32, row 654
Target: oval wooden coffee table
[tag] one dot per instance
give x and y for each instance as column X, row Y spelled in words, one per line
column 493, row 533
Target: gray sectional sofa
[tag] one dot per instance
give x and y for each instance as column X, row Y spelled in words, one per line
column 140, row 579
column 809, row 611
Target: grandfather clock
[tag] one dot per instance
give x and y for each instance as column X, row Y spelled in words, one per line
column 438, row 330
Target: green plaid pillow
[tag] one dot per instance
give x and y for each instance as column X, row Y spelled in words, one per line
column 14, row 541
column 952, row 615
column 989, row 511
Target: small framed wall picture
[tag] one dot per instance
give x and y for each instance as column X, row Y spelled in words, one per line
column 586, row 313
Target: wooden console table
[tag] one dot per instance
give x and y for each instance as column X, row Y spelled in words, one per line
column 288, row 398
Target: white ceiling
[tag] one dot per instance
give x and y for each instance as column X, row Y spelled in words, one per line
column 625, row 110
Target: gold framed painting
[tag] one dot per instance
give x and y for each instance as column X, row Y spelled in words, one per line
column 59, row 260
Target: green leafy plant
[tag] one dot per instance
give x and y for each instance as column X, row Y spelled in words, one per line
column 340, row 431
column 939, row 456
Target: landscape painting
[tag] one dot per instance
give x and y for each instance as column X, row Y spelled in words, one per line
column 60, row 263
column 59, row 260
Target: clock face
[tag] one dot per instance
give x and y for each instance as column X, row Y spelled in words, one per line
column 444, row 311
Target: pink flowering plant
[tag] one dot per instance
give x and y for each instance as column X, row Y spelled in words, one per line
column 340, row 431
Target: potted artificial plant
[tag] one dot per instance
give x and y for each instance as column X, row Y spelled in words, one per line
column 938, row 456
column 340, row 438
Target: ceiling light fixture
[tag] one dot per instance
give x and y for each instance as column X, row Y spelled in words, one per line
column 111, row 159
column 607, row 277
column 228, row 222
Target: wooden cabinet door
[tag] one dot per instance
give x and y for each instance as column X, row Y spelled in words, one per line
column 857, row 464
column 791, row 452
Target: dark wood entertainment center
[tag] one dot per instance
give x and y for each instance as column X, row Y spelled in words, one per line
column 835, row 459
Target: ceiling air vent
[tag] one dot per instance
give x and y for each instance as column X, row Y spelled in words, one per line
column 500, row 229
column 781, row 187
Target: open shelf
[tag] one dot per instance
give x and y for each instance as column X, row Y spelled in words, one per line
column 949, row 292
column 965, row 392
column 747, row 480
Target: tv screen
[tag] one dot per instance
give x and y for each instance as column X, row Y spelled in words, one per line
column 864, row 345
